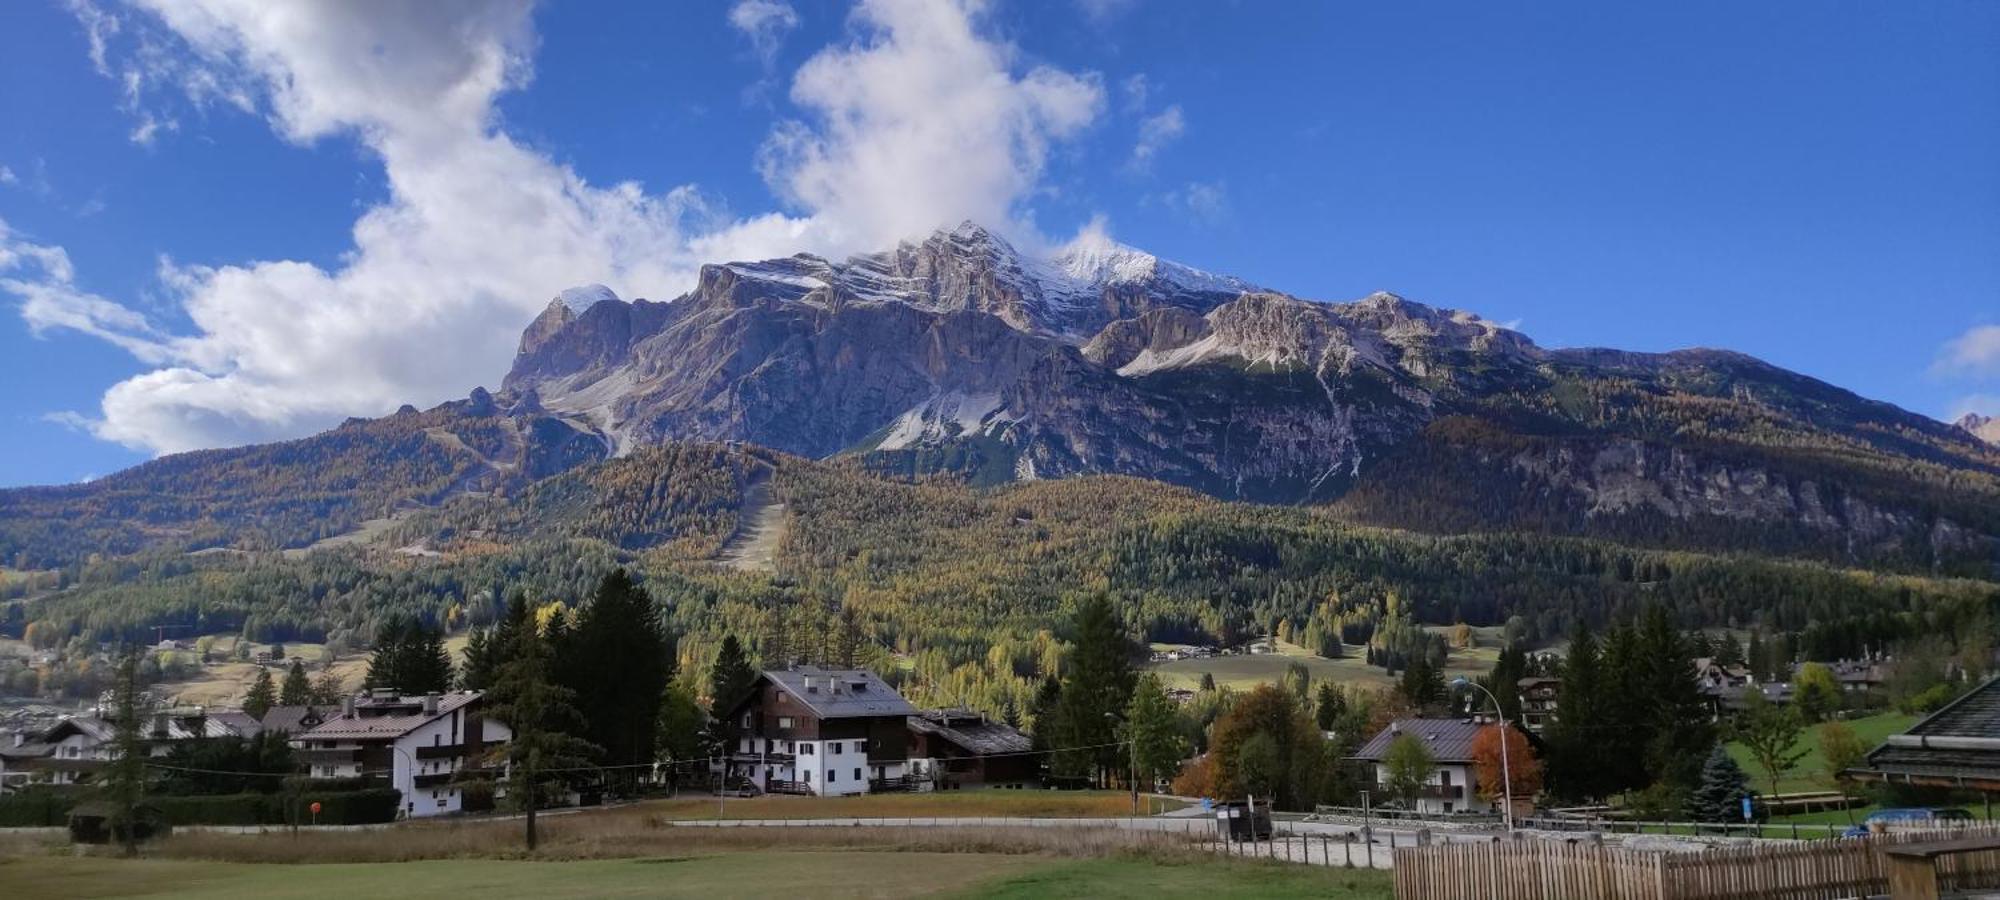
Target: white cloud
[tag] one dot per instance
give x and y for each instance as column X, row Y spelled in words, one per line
column 1976, row 352
column 921, row 120
column 1983, row 404
column 1199, row 200
column 8, row 177
column 1156, row 132
column 765, row 23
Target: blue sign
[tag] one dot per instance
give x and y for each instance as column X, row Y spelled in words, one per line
column 1746, row 808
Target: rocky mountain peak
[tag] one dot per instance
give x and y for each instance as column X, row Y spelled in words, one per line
column 1986, row 428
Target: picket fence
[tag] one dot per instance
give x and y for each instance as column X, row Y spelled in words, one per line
column 1556, row 870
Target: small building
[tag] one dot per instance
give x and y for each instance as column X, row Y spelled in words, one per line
column 1860, row 676
column 428, row 746
column 1538, row 702
column 76, row 747
column 1956, row 747
column 960, row 748
column 1453, row 784
column 830, row 732
column 1714, row 677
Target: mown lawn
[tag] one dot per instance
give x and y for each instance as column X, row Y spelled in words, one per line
column 1244, row 671
column 1809, row 774
column 992, row 803
column 808, row 873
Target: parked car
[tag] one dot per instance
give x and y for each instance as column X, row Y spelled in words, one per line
column 1915, row 817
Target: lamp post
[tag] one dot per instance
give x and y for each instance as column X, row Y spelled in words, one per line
column 1506, row 775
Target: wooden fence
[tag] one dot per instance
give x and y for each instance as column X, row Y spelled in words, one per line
column 1552, row 870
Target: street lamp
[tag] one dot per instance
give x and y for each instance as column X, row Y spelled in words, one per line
column 1506, row 775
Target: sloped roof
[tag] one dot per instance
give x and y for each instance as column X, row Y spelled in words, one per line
column 1450, row 740
column 388, row 726
column 1974, row 715
column 296, row 719
column 841, row 693
column 971, row 732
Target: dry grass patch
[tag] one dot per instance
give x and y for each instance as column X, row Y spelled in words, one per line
column 1022, row 804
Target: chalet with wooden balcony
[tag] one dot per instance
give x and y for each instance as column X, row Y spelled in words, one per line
column 828, row 732
column 1453, row 783
column 427, row 746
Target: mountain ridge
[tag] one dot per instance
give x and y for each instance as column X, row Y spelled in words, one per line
column 960, row 355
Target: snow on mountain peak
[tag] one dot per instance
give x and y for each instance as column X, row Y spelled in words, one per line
column 1093, row 258
column 584, row 296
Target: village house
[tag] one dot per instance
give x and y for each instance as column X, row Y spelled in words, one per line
column 958, row 748
column 427, row 746
column 1956, row 747
column 1714, row 677
column 1860, row 676
column 1538, row 702
column 830, row 732
column 1452, row 786
column 76, row 747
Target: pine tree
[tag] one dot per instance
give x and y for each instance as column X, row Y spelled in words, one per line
column 1760, row 662
column 1719, row 798
column 1097, row 687
column 851, row 640
column 1331, row 706
column 123, row 781
column 616, row 660
column 327, row 690
column 1574, row 773
column 261, row 696
column 542, row 717
column 297, row 688
column 776, row 650
column 1152, row 725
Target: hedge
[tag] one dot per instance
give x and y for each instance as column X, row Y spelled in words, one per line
column 38, row 807
column 45, row 808
column 336, row 808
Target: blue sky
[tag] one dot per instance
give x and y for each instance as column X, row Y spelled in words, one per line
column 228, row 221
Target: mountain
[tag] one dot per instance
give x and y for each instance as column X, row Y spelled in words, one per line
column 964, row 355
column 959, row 355
column 1986, row 428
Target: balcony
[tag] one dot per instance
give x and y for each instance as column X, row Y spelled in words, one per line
column 776, row 758
column 444, row 751
column 434, row 779
column 1427, row 792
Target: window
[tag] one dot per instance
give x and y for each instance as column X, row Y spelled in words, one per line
column 805, row 749
column 833, row 748
column 857, row 773
column 781, row 696
column 808, row 775
column 746, row 720
column 784, row 722
column 832, row 776
column 437, row 740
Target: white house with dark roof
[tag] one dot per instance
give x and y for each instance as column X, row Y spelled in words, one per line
column 830, row 732
column 1453, row 786
column 425, row 745
column 75, row 748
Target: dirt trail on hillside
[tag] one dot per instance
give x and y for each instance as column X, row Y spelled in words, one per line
column 761, row 522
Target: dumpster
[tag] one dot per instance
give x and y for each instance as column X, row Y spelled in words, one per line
column 1240, row 820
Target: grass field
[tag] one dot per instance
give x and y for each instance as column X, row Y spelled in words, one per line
column 1249, row 670
column 773, row 873
column 1809, row 773
column 1012, row 804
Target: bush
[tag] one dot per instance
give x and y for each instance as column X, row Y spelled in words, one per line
column 336, row 808
column 38, row 807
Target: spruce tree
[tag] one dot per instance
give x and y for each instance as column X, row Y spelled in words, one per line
column 1574, row 772
column 1723, row 785
column 261, row 696
column 297, row 688
column 617, row 661
column 1152, row 725
column 542, row 718
column 122, row 783
column 1097, row 687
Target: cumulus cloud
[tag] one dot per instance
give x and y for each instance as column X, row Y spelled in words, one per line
column 921, row 119
column 1156, row 132
column 1102, row 11
column 1976, row 352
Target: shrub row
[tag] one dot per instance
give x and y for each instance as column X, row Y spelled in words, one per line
column 44, row 808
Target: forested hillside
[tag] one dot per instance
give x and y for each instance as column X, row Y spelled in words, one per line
column 972, row 585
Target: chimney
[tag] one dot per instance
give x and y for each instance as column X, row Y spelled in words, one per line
column 430, row 704
column 347, row 707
